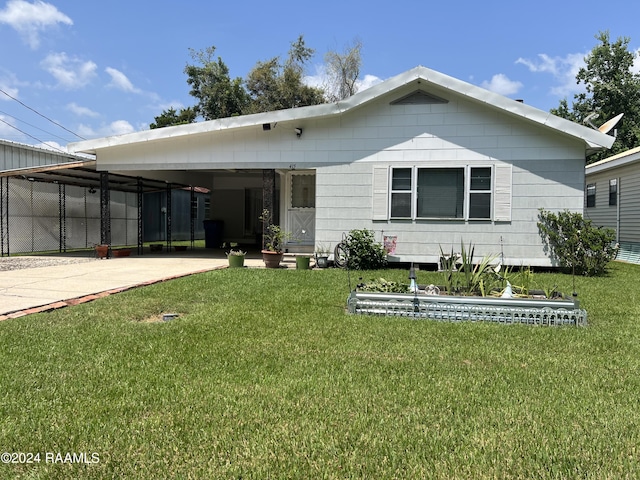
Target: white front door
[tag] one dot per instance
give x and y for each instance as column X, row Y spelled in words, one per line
column 301, row 207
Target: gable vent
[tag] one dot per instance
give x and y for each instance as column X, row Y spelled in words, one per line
column 419, row 98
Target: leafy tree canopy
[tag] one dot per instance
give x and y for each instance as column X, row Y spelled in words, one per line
column 172, row 117
column 217, row 94
column 611, row 87
column 273, row 85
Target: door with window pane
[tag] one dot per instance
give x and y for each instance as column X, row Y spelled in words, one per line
column 301, row 211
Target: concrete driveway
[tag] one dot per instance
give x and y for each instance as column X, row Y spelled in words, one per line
column 42, row 288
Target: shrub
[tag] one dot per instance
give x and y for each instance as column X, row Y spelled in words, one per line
column 364, row 252
column 575, row 243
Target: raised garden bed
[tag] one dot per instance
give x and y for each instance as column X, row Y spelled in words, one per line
column 530, row 311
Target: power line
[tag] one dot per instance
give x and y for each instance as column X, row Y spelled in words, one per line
column 43, row 116
column 31, row 136
column 33, row 126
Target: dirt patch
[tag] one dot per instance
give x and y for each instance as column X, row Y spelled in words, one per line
column 160, row 318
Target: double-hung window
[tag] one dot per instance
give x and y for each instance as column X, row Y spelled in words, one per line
column 591, row 195
column 613, row 191
column 480, row 192
column 442, row 192
column 401, row 188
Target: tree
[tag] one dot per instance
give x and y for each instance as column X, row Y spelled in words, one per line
column 275, row 86
column 271, row 85
column 172, row 117
column 343, row 71
column 611, row 88
column 218, row 95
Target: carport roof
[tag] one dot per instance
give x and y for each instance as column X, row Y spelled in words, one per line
column 83, row 174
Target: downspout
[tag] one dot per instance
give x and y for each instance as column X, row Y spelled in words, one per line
column 618, row 191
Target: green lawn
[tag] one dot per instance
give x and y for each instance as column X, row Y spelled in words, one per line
column 264, row 375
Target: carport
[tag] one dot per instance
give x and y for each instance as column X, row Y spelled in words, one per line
column 43, row 205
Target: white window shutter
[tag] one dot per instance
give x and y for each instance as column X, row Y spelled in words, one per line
column 502, row 193
column 380, row 193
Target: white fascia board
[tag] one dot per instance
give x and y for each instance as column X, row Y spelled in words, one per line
column 202, row 128
column 619, row 160
column 594, row 139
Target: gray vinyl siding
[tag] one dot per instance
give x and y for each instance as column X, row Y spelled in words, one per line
column 628, row 198
column 15, row 156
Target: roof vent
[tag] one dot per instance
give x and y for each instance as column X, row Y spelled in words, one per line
column 419, row 97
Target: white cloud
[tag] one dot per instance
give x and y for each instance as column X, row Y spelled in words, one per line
column 52, row 146
column 119, row 127
column 81, row 111
column 70, row 73
column 367, row 82
column 635, row 68
column 13, row 91
column 501, row 84
column 31, row 19
column 120, row 81
column 563, row 70
column 321, row 80
column 6, row 127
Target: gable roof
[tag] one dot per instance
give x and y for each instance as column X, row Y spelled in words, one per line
column 593, row 139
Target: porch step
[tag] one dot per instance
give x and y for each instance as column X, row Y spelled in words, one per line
column 299, row 250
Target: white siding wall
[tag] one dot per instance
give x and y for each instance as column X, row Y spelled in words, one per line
column 547, row 168
column 547, row 173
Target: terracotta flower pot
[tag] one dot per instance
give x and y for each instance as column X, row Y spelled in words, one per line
column 102, row 251
column 271, row 259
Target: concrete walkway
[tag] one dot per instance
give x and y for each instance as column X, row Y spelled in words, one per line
column 40, row 289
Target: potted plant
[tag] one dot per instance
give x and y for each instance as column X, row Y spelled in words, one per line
column 322, row 255
column 236, row 258
column 302, row 262
column 274, row 238
column 102, row 251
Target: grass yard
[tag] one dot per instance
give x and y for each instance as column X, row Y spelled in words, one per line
column 264, row 375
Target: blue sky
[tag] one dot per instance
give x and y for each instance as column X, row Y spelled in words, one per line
column 107, row 68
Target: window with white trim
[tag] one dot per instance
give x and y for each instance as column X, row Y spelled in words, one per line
column 401, row 187
column 441, row 192
column 613, row 192
column 591, row 195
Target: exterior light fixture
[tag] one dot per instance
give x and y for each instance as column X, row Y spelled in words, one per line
column 298, row 132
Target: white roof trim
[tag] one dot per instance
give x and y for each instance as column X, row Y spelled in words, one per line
column 619, row 160
column 593, row 139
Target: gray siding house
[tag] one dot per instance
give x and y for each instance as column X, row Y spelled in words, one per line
column 423, row 158
column 612, row 199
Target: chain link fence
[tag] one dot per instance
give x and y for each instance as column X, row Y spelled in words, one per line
column 41, row 217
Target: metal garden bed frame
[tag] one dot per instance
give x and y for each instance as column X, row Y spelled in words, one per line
column 529, row 311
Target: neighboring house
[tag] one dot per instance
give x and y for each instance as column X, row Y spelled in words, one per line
column 423, row 157
column 612, row 199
